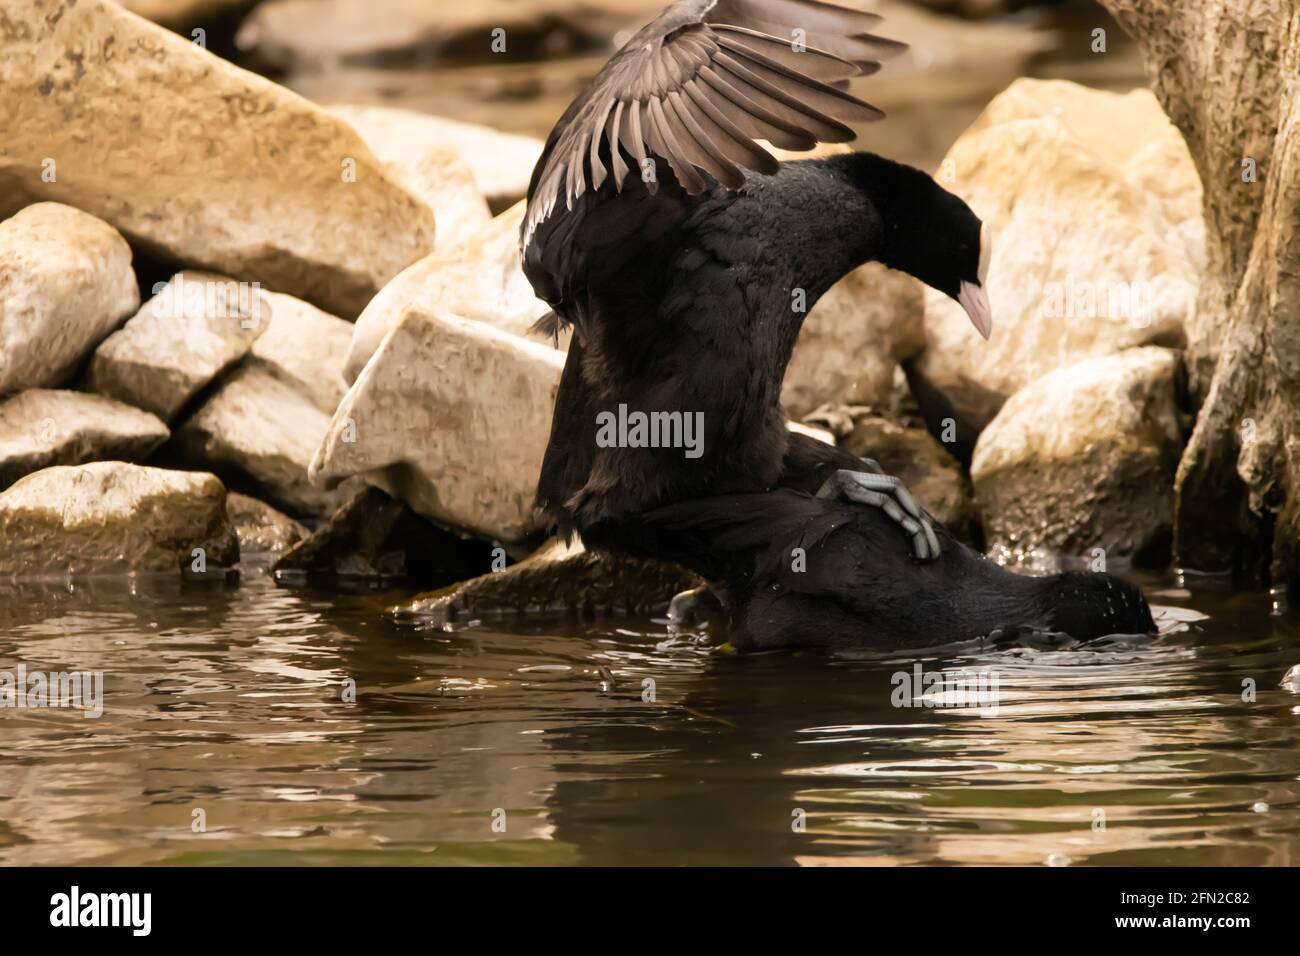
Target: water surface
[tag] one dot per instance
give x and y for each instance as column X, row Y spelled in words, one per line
column 534, row 744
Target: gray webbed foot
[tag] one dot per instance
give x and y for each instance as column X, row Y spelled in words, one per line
column 888, row 494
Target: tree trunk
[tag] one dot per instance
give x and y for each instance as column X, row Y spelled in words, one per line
column 1228, row 74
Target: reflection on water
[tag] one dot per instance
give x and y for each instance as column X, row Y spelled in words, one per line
column 229, row 700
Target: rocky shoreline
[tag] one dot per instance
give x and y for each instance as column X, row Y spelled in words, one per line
column 336, row 368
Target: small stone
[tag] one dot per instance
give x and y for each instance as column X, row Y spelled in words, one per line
column 262, row 529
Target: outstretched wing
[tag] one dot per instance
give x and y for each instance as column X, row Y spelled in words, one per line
column 698, row 85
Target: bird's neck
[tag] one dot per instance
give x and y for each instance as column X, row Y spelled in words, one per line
column 896, row 197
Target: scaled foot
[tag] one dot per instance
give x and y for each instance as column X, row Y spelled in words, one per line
column 887, row 493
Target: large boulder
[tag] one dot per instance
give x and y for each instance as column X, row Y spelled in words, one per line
column 194, row 158
column 479, row 279
column 195, row 327
column 423, row 151
column 42, row 427
column 1094, row 207
column 1083, row 459
column 501, row 163
column 65, row 283
column 452, row 416
column 112, row 516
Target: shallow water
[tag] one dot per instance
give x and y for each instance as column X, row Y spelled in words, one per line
column 228, row 700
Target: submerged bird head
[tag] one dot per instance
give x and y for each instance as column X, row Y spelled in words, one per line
column 1089, row 605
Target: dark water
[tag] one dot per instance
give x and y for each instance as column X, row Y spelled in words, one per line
column 228, row 700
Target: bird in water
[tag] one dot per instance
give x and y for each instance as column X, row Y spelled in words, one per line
column 684, row 258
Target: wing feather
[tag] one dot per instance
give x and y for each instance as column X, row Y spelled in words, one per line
column 697, row 86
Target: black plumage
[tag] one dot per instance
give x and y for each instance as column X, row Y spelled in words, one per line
column 795, row 570
column 685, row 259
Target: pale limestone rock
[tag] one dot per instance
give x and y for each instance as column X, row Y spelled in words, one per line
column 481, row 279
column 452, row 416
column 258, row 426
column 111, row 516
column 43, row 427
column 195, row 158
column 195, row 327
column 501, row 163
column 853, row 339
column 1084, row 458
column 1089, row 256
column 439, row 160
column 65, row 283
column 306, row 347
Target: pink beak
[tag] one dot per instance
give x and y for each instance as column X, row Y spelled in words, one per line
column 975, row 300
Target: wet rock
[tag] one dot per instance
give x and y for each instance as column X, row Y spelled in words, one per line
column 452, row 416
column 195, row 327
column 1291, row 680
column 65, row 283
column 558, row 577
column 259, row 431
column 501, row 163
column 375, row 536
column 1094, row 206
column 155, row 135
column 1084, row 458
column 260, row 528
column 111, row 516
column 479, row 279
column 930, row 472
column 306, row 348
column 42, row 427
